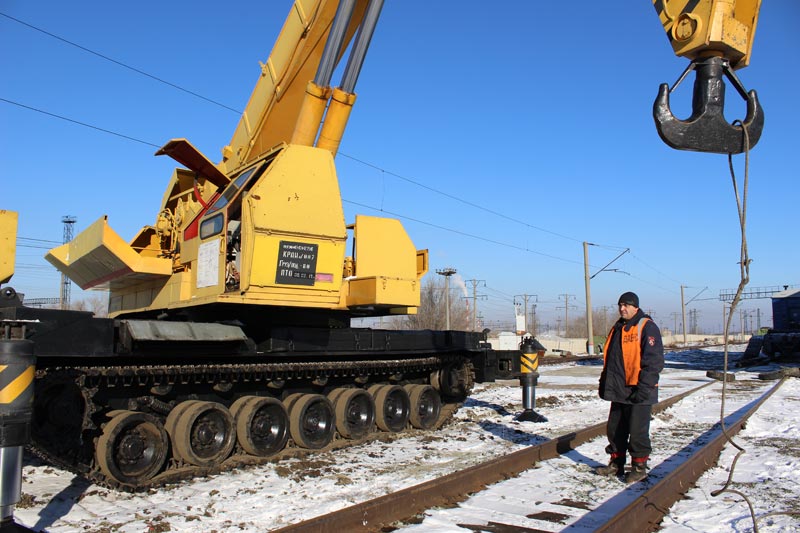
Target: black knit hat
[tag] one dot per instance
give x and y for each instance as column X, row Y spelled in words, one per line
column 629, row 298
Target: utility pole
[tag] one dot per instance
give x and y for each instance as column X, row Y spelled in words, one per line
column 566, row 311
column 446, row 272
column 533, row 327
column 589, row 332
column 674, row 317
column 693, row 321
column 586, row 277
column 525, row 298
column 741, row 324
column 724, row 317
column 683, row 314
column 475, row 283
column 66, row 284
column 605, row 310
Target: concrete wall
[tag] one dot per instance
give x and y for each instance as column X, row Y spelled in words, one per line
column 557, row 345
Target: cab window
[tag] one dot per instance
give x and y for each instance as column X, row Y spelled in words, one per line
column 211, row 226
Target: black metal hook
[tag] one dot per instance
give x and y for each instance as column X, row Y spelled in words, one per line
column 707, row 130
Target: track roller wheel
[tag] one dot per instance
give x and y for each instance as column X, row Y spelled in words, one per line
column 132, row 448
column 335, row 393
column 171, row 422
column 289, row 401
column 312, row 421
column 392, row 407
column 262, row 424
column 355, row 412
column 202, row 433
column 454, row 381
column 426, row 405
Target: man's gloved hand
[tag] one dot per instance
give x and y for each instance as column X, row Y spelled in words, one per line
column 639, row 395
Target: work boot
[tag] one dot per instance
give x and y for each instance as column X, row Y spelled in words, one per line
column 615, row 467
column 638, row 470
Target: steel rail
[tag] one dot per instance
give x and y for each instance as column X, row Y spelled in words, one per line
column 644, row 513
column 455, row 487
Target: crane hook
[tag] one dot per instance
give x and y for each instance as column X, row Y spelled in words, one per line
column 707, row 130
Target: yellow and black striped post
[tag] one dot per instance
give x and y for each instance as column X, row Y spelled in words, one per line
column 529, row 376
column 17, row 371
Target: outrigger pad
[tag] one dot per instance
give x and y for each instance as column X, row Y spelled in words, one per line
column 529, row 415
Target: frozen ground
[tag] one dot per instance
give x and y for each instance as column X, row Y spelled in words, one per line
column 268, row 497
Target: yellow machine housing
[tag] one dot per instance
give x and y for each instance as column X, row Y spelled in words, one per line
column 706, row 28
column 275, row 235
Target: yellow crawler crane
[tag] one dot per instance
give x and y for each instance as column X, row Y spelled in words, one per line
column 229, row 338
column 229, row 335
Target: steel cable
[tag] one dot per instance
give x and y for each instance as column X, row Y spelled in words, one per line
column 744, row 270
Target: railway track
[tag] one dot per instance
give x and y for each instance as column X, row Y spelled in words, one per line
column 643, row 504
column 275, row 495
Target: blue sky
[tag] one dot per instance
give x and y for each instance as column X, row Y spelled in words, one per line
column 502, row 135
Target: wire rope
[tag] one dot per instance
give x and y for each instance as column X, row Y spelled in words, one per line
column 744, row 272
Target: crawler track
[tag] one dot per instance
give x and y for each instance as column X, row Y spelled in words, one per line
column 640, row 515
column 81, row 402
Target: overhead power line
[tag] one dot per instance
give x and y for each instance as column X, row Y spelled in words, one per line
column 120, row 63
column 38, row 240
column 357, row 160
column 464, row 233
column 456, row 198
column 452, row 230
column 79, row 123
column 180, row 88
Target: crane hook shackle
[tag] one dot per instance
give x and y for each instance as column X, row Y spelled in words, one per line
column 706, row 130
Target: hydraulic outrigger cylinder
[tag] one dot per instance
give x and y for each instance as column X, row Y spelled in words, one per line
column 17, row 371
column 529, row 377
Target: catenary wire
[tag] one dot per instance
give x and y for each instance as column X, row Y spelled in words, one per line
column 419, row 221
column 360, row 161
column 120, row 63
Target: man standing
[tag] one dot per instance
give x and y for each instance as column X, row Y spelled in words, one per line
column 633, row 358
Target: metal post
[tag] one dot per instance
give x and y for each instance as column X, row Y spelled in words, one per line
column 528, row 379
column 446, row 272
column 447, row 302
column 17, row 370
column 683, row 314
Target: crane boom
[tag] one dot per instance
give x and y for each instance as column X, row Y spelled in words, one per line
column 277, row 107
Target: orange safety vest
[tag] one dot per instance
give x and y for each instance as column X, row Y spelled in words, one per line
column 631, row 351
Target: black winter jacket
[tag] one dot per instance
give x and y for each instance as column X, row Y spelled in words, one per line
column 612, row 380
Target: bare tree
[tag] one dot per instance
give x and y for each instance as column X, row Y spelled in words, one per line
column 96, row 303
column 601, row 324
column 431, row 313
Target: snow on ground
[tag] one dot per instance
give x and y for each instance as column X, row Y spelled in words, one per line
column 770, row 476
column 267, row 497
column 768, row 473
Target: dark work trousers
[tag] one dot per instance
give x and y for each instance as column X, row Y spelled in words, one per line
column 628, row 429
